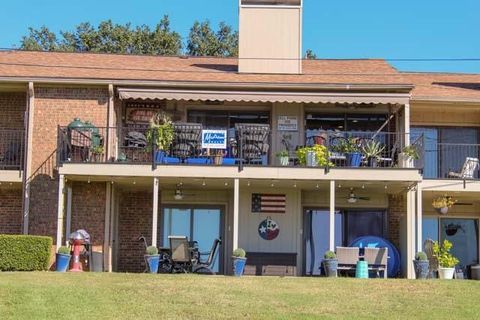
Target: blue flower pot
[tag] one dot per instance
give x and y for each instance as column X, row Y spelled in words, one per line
column 62, row 262
column 238, row 266
column 354, row 159
column 159, row 155
column 153, row 262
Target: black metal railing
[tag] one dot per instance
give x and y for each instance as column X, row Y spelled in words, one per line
column 11, row 149
column 244, row 145
column 452, row 161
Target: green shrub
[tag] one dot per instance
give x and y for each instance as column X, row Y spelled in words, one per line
column 64, row 250
column 329, row 255
column 421, row 256
column 442, row 252
column 239, row 253
column 321, row 153
column 152, row 251
column 24, row 253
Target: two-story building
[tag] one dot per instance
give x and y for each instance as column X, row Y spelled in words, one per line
column 75, row 151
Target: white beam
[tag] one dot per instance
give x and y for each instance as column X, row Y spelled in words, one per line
column 60, row 209
column 106, row 239
column 332, row 216
column 236, row 211
column 410, row 233
column 155, row 212
column 27, row 165
column 111, row 130
column 406, row 125
column 419, row 218
column 68, row 222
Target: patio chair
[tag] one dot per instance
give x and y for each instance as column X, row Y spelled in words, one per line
column 254, row 140
column 377, row 260
column 347, row 258
column 468, row 169
column 205, row 266
column 187, row 140
column 180, row 254
column 433, row 261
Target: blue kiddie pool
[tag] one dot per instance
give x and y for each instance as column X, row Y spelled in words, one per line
column 393, row 262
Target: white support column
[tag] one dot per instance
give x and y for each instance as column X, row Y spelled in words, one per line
column 155, row 212
column 27, row 165
column 111, row 128
column 419, row 217
column 60, row 210
column 106, row 239
column 411, row 243
column 406, row 124
column 332, row 216
column 236, row 212
column 68, row 222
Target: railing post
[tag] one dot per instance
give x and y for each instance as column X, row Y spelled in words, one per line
column 154, row 149
column 59, row 147
column 240, row 150
column 327, row 145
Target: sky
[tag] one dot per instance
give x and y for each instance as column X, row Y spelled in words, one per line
column 390, row 29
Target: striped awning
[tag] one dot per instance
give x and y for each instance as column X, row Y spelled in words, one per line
column 262, row 96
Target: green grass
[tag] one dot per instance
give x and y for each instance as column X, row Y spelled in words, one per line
column 50, row 295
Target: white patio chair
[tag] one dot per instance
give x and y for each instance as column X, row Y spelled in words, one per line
column 468, row 169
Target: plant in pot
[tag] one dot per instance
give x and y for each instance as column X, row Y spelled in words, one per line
column 407, row 156
column 330, row 264
column 315, row 156
column 62, row 259
column 443, row 203
column 372, row 151
column 283, row 157
column 152, row 258
column 97, row 152
column 160, row 134
column 446, row 260
column 351, row 148
column 218, row 157
column 421, row 265
column 239, row 261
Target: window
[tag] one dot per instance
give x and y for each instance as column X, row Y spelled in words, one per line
column 346, row 122
column 227, row 119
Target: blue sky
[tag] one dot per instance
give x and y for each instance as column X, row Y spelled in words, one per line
column 333, row 29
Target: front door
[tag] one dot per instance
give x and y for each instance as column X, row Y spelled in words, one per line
column 199, row 223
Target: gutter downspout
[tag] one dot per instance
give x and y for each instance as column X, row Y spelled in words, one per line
column 27, row 163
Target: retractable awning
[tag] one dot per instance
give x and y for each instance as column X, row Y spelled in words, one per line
column 262, row 96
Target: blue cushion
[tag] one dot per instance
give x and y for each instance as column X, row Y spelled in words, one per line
column 197, row 161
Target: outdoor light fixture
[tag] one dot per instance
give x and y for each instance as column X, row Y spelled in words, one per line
column 248, row 183
column 204, row 183
column 295, row 184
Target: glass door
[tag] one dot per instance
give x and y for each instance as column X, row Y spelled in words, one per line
column 463, row 234
column 198, row 223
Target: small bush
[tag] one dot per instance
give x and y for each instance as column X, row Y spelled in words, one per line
column 24, row 253
column 421, row 256
column 152, row 251
column 239, row 253
column 329, row 255
column 64, row 250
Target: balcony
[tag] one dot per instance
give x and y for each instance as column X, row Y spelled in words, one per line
column 11, row 149
column 244, row 145
column 452, row 161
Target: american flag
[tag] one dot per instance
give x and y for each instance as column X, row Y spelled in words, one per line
column 268, row 203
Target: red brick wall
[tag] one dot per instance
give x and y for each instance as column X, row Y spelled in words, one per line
column 397, row 209
column 10, row 211
column 135, row 219
column 88, row 209
column 57, row 106
column 12, row 109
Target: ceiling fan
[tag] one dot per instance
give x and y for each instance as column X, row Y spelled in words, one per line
column 353, row 198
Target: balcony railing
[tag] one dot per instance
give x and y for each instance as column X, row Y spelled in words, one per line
column 452, row 161
column 11, row 149
column 245, row 145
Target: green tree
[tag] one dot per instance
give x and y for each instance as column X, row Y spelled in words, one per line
column 310, row 55
column 203, row 41
column 41, row 39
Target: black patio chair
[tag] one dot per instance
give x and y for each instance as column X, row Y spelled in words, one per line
column 180, row 254
column 205, row 266
column 254, row 141
column 187, row 140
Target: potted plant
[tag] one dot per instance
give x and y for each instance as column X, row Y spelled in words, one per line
column 421, row 265
column 407, row 156
column 315, row 156
column 330, row 264
column 446, row 260
column 153, row 258
column 239, row 261
column 351, row 148
column 218, row 157
column 161, row 134
column 443, row 203
column 62, row 259
column 372, row 151
column 283, row 157
column 97, row 152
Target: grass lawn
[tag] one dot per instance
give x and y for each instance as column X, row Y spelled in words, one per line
column 51, row 295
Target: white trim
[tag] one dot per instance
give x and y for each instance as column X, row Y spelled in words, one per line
column 155, row 211
column 332, row 216
column 68, row 223
column 60, row 210
column 236, row 212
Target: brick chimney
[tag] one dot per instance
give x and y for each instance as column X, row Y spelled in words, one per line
column 270, row 36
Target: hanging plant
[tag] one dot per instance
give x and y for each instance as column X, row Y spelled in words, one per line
column 443, row 203
column 161, row 131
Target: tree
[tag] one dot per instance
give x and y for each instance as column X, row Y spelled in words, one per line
column 203, row 41
column 310, row 55
column 108, row 38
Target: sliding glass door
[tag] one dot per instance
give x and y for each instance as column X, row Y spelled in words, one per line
column 201, row 224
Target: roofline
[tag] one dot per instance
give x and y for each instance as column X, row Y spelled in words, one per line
column 215, row 84
column 432, row 99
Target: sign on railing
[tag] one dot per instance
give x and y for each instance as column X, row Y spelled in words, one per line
column 214, row 139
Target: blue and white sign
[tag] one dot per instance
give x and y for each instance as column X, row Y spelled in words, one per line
column 214, row 139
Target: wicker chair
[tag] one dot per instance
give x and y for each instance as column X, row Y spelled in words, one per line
column 377, row 260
